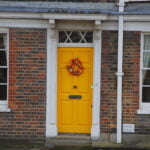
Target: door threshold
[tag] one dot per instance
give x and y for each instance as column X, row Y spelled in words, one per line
column 74, row 135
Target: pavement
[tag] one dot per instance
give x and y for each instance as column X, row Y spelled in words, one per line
column 66, row 142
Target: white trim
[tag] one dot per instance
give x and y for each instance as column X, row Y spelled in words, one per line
column 7, row 66
column 52, row 16
column 23, row 23
column 74, row 45
column 130, row 25
column 51, row 107
column 4, row 108
column 75, row 16
column 16, row 17
column 140, row 76
column 95, row 130
column 143, row 111
column 3, row 102
column 146, row 69
column 127, row 18
column 3, row 83
column 4, row 67
column 145, row 85
column 4, row 30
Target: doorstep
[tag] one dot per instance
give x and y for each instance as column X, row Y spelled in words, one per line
column 64, row 140
column 70, row 140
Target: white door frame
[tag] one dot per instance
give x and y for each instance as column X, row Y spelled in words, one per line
column 51, row 105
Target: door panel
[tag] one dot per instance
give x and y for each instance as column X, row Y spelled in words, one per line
column 66, row 112
column 74, row 115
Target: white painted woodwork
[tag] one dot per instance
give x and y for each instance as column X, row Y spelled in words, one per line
column 51, row 105
column 95, row 131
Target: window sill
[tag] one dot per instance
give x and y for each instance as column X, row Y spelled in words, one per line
column 143, row 111
column 4, row 108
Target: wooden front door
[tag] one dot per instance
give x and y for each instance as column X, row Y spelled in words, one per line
column 74, row 91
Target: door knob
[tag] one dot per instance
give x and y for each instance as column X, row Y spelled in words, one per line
column 74, row 86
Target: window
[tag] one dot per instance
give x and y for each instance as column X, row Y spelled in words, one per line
column 145, row 72
column 3, row 70
column 82, row 37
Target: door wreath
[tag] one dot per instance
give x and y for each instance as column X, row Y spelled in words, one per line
column 75, row 67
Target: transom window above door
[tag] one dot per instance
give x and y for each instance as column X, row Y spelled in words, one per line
column 76, row 37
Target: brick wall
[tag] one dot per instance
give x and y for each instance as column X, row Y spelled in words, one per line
column 27, row 85
column 131, row 68
column 108, row 85
column 131, row 84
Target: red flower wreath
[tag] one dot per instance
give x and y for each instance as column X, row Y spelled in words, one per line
column 75, row 67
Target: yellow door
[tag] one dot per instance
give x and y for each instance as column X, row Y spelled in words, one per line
column 74, row 91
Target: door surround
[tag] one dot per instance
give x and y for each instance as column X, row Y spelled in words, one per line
column 51, row 99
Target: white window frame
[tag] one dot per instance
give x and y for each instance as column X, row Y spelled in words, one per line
column 144, row 107
column 4, row 104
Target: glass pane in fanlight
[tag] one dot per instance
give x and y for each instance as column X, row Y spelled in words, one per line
column 62, row 37
column 75, row 37
column 3, row 92
column 89, row 37
column 3, row 41
column 3, row 58
column 3, row 75
column 146, row 94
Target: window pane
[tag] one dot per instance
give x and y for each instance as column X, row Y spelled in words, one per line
column 146, row 95
column 3, row 92
column 3, row 75
column 146, row 59
column 89, row 37
column 146, row 77
column 3, row 41
column 75, row 37
column 62, row 36
column 3, row 58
